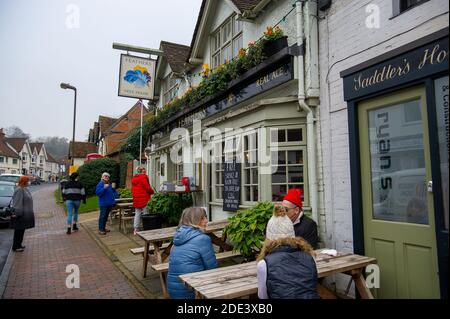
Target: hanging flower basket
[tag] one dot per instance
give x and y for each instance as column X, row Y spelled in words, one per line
column 273, row 46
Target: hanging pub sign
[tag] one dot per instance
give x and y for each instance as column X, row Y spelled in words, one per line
column 136, row 77
column 231, row 186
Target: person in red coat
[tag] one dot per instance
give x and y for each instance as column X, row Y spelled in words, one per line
column 142, row 192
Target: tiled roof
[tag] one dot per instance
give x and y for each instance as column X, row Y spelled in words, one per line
column 38, row 147
column 5, row 148
column 16, row 142
column 82, row 149
column 51, row 159
column 176, row 55
column 105, row 122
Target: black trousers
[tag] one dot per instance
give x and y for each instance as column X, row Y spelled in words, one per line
column 18, row 238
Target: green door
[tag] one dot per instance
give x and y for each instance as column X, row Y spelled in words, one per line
column 398, row 211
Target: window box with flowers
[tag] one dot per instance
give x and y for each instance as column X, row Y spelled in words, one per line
column 274, row 41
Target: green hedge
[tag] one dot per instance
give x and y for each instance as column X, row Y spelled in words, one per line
column 91, row 173
column 124, row 193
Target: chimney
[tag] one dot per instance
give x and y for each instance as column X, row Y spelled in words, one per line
column 2, row 134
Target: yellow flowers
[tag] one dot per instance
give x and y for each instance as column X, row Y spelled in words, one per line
column 205, row 70
column 241, row 53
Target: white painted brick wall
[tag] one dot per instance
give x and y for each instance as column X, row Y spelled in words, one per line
column 345, row 41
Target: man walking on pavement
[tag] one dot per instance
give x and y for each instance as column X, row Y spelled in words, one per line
column 73, row 193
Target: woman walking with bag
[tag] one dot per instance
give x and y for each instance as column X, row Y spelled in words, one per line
column 22, row 213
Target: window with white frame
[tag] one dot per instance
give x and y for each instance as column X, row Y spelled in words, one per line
column 179, row 166
column 170, row 88
column 226, row 42
column 218, row 169
column 15, row 161
column 2, row 159
column 24, row 156
column 288, row 157
column 251, row 171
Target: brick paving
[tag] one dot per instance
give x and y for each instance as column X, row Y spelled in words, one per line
column 40, row 271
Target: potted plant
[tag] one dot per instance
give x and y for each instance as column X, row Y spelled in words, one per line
column 274, row 40
column 246, row 229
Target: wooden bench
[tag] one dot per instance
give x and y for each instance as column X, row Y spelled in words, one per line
column 163, row 268
column 140, row 250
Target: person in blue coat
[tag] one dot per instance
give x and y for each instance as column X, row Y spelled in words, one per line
column 106, row 200
column 192, row 251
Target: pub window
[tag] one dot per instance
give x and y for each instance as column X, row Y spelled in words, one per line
column 179, row 167
column 400, row 6
column 250, row 168
column 288, row 161
column 170, row 89
column 226, row 42
column 218, row 168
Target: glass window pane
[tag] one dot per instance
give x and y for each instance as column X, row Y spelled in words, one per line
column 226, row 54
column 238, row 25
column 397, row 165
column 295, row 157
column 238, row 44
column 294, row 135
column 216, row 60
column 280, row 175
column 226, row 32
column 278, row 157
column 278, row 192
column 247, row 193
column 255, row 176
column 247, row 176
column 278, row 135
column 412, row 111
column 255, row 193
column 295, row 174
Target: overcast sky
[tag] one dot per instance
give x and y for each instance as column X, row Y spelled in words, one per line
column 42, row 46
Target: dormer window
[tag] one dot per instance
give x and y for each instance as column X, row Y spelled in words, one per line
column 226, row 41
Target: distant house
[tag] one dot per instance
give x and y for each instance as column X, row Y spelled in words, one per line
column 21, row 146
column 9, row 158
column 52, row 168
column 81, row 150
column 38, row 162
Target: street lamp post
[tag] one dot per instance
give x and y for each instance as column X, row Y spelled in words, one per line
column 66, row 86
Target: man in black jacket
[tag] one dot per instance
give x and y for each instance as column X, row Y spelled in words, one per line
column 303, row 226
column 73, row 193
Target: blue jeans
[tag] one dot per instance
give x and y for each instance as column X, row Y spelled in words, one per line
column 72, row 211
column 103, row 218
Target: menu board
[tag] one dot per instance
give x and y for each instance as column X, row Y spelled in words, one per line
column 232, row 186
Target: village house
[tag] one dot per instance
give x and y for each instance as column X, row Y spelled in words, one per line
column 9, row 158
column 354, row 134
column 383, row 123
column 81, row 150
column 22, row 147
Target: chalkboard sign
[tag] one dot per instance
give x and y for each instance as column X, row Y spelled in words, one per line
column 232, row 186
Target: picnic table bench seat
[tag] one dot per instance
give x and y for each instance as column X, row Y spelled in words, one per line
column 140, row 250
column 163, row 268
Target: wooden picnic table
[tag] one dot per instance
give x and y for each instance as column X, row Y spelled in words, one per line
column 158, row 236
column 240, row 280
column 121, row 208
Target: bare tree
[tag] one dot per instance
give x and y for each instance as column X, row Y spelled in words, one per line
column 15, row 131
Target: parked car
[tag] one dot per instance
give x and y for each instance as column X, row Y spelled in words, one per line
column 6, row 193
column 35, row 180
column 10, row 178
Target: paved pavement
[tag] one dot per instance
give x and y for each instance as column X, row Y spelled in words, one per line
column 40, row 271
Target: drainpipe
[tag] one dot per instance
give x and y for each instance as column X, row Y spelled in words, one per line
column 311, row 145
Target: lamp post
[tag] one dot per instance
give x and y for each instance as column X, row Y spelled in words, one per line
column 66, row 86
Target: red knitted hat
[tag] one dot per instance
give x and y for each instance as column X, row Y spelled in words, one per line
column 294, row 196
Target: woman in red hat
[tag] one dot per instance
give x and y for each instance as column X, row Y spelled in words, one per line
column 303, row 225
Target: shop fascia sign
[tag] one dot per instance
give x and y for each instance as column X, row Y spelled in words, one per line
column 423, row 61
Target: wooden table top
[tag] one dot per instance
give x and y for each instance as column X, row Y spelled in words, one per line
column 240, row 280
column 124, row 204
column 167, row 233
